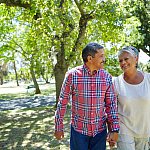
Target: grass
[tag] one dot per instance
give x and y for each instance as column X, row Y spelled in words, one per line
column 46, row 92
column 31, row 129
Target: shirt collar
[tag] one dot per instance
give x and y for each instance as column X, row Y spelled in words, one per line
column 86, row 68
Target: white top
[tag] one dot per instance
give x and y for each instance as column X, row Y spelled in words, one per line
column 134, row 106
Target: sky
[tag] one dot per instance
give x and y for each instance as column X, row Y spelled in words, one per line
column 143, row 57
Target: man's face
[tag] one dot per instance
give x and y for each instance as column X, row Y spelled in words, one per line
column 98, row 60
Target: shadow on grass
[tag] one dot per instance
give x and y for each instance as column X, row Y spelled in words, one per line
column 27, row 103
column 31, row 129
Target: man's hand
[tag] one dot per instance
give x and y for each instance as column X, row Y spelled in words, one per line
column 112, row 138
column 59, row 135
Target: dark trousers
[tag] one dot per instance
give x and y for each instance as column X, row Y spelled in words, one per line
column 79, row 141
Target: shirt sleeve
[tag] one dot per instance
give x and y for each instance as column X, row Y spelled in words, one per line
column 114, row 80
column 111, row 108
column 62, row 103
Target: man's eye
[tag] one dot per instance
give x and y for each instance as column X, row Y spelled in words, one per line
column 101, row 55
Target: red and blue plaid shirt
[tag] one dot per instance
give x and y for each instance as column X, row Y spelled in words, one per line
column 93, row 101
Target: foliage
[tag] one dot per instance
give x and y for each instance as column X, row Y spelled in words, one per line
column 112, row 63
column 137, row 13
column 146, row 67
column 50, row 35
column 36, row 36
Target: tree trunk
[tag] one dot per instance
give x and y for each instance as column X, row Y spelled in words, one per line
column 59, row 73
column 47, row 80
column 16, row 73
column 1, row 76
column 59, row 70
column 1, row 79
column 37, row 89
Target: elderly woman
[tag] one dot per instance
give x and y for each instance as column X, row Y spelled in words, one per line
column 133, row 92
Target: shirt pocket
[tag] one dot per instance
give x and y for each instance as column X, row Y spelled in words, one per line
column 78, row 90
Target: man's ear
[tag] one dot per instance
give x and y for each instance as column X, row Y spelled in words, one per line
column 89, row 58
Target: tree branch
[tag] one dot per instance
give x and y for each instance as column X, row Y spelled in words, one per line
column 61, row 3
column 79, row 7
column 15, row 3
column 82, row 26
column 82, row 29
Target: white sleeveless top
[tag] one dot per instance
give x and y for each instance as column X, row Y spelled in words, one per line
column 134, row 106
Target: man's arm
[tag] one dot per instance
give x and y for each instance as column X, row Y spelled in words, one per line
column 61, row 107
column 111, row 110
column 112, row 115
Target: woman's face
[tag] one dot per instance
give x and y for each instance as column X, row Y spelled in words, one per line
column 127, row 61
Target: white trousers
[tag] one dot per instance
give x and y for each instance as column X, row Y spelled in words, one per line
column 126, row 142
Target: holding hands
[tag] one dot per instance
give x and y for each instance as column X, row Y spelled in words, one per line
column 112, row 139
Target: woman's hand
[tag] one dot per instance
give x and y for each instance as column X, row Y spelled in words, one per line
column 112, row 139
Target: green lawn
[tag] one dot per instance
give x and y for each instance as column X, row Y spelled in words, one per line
column 31, row 129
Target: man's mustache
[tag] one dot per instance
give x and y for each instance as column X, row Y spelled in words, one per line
column 104, row 61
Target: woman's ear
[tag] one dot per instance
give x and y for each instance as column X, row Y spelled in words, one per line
column 137, row 59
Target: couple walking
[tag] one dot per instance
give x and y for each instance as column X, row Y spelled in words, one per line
column 102, row 109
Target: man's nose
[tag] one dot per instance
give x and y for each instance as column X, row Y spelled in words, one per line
column 103, row 59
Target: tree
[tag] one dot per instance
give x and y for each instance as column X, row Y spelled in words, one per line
column 138, row 14
column 14, row 40
column 142, row 13
column 61, row 29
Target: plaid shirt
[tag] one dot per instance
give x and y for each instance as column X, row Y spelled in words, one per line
column 92, row 100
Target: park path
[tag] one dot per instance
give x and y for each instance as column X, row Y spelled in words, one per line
column 30, row 102
column 27, row 102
